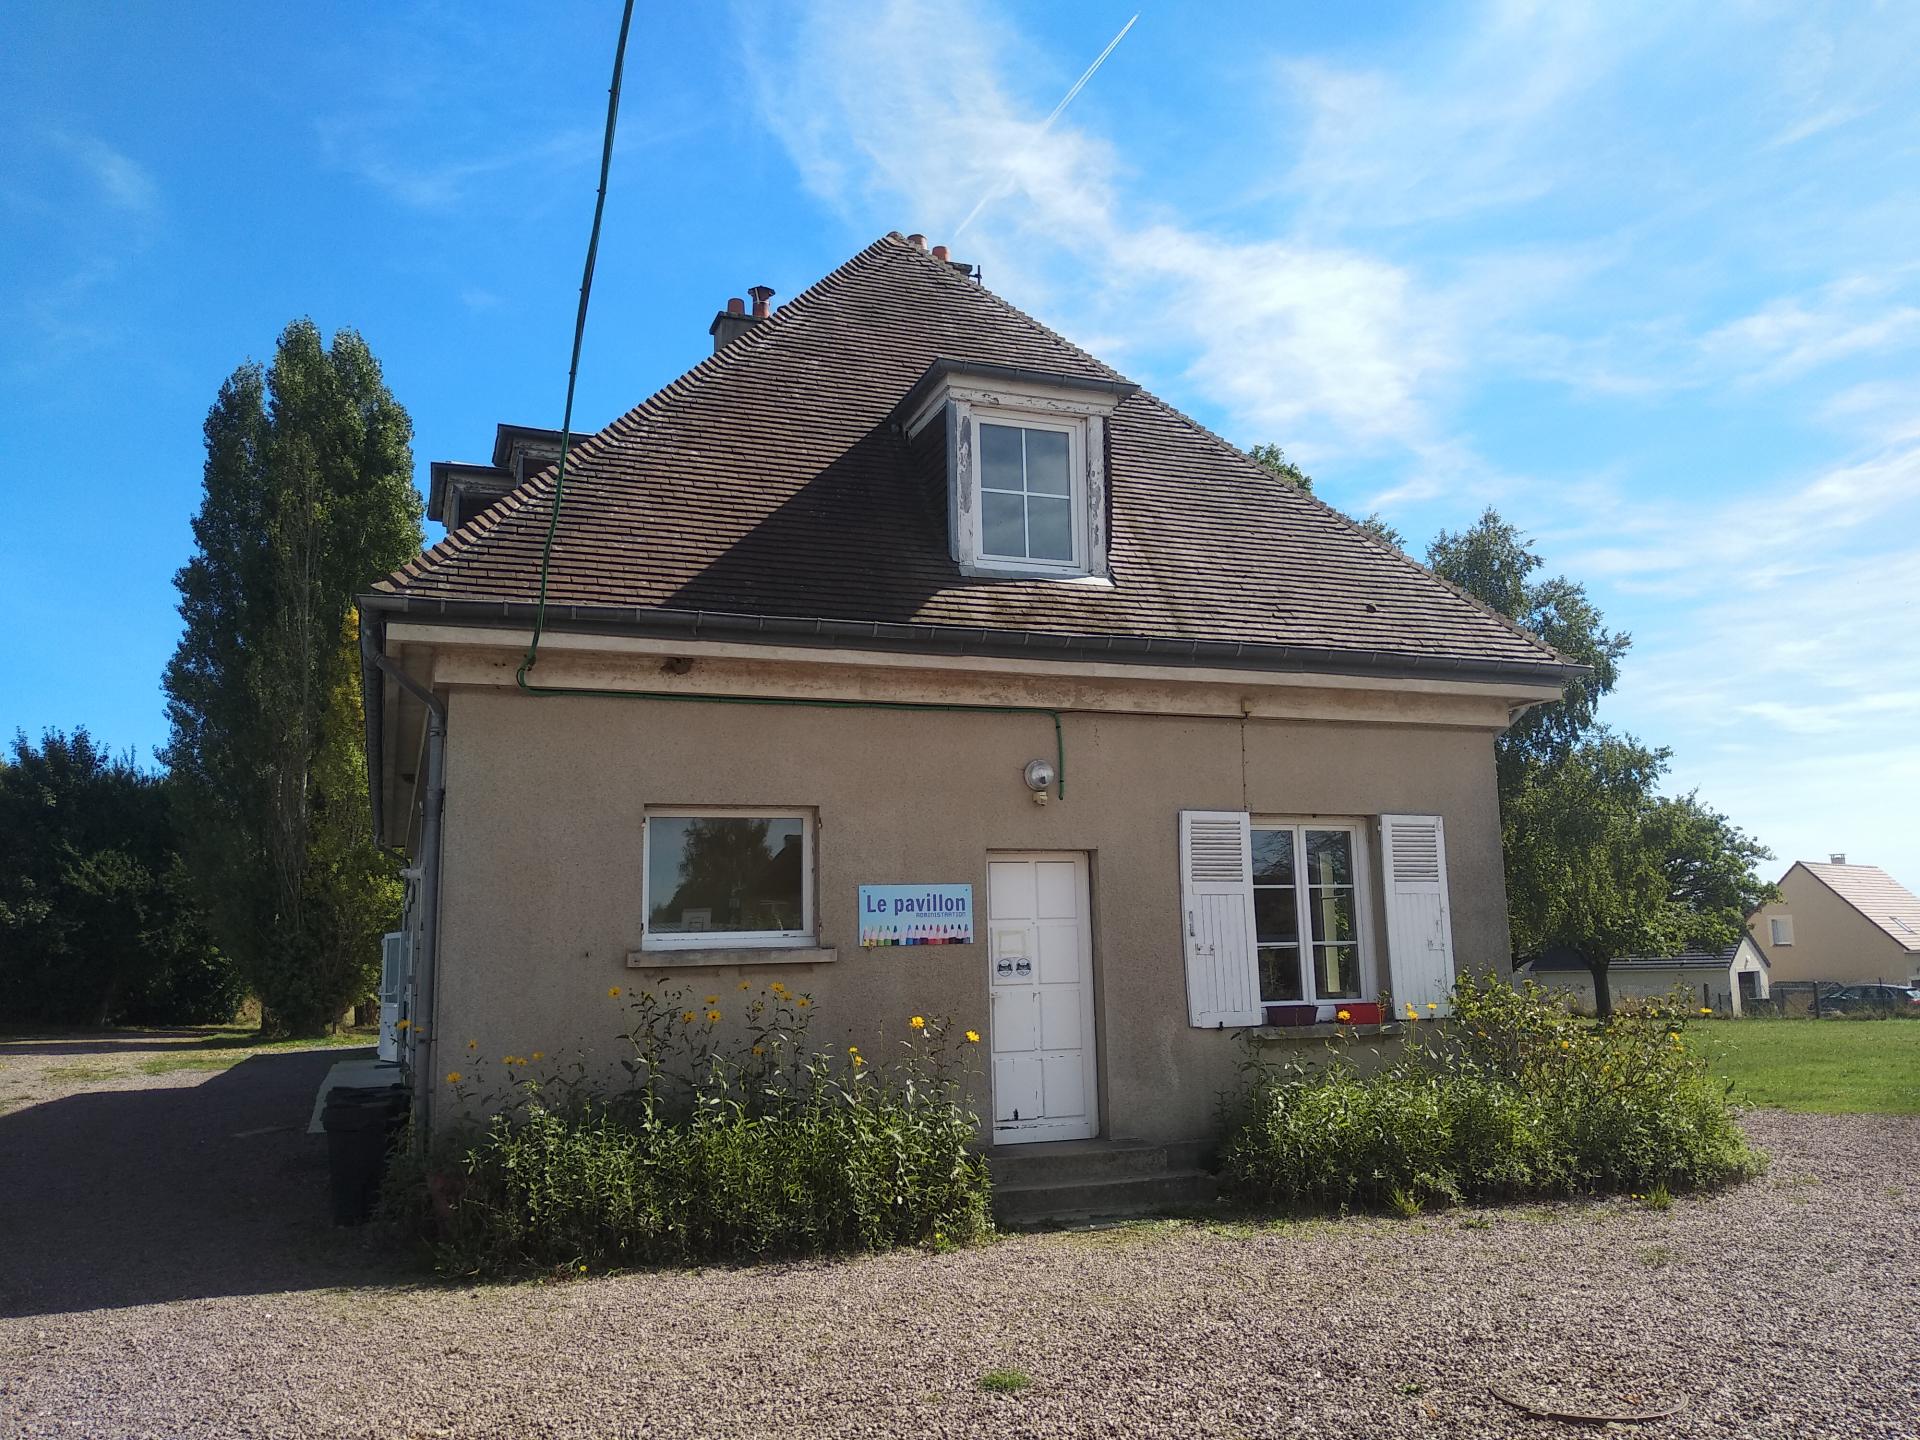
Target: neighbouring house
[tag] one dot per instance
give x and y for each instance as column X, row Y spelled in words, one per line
column 1841, row 923
column 1724, row 981
column 905, row 652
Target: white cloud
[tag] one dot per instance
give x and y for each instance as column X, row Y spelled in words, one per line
column 119, row 179
column 1788, row 337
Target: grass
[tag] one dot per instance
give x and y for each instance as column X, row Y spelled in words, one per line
column 82, row 1074
column 1005, row 1382
column 167, row 1064
column 1823, row 1067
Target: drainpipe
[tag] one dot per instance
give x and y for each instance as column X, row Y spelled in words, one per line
column 426, row 964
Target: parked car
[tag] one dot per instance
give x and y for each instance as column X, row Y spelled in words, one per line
column 1874, row 999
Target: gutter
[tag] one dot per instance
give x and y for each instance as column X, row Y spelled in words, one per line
column 957, row 640
column 374, row 663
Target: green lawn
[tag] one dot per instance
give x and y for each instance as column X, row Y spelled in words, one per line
column 1833, row 1067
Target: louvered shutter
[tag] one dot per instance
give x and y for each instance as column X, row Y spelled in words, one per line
column 1419, row 923
column 1216, row 895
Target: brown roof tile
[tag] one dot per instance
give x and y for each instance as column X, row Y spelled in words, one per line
column 770, row 480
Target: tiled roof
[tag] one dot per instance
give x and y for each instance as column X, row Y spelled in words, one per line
column 1876, row 895
column 771, row 480
column 1558, row 961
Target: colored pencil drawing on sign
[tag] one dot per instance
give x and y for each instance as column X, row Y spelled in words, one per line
column 916, row 915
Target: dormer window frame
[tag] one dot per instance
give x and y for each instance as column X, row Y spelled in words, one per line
column 969, row 396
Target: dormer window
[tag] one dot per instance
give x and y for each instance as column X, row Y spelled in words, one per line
column 1025, row 459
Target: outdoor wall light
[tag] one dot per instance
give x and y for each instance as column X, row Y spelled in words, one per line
column 1039, row 778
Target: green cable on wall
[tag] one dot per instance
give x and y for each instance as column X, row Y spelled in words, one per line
column 532, row 657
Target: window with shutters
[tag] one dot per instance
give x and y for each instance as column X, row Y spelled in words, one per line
column 1782, row 928
column 1310, row 908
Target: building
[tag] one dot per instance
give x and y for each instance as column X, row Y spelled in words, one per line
column 898, row 588
column 1724, row 981
column 1848, row 924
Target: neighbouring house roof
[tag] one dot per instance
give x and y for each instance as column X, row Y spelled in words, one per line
column 1876, row 895
column 771, row 486
column 1561, row 961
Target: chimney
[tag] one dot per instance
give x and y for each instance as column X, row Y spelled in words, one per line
column 939, row 252
column 919, row 242
column 734, row 321
column 1837, row 859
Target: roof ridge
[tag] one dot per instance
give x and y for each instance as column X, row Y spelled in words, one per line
column 538, row 485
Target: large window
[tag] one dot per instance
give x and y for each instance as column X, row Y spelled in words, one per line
column 1306, row 912
column 1030, row 505
column 728, row 877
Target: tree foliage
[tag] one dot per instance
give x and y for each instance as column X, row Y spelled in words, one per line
column 1598, row 862
column 1271, row 457
column 98, row 925
column 308, row 499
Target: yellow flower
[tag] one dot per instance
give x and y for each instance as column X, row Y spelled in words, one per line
column 1706, row 1010
column 402, row 1025
column 973, row 1037
column 713, row 999
column 508, row 1060
column 759, row 1050
column 686, row 1017
column 1412, row 1014
column 453, row 1077
column 613, row 992
column 1433, row 1004
column 777, row 988
column 473, row 1044
column 1343, row 1016
column 858, row 1061
column 803, row 1002
column 539, row 1054
column 713, row 1017
column 746, row 985
column 919, row 1022
column 1566, row 1044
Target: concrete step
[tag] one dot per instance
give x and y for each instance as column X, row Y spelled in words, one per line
column 1066, row 1162
column 1116, row 1197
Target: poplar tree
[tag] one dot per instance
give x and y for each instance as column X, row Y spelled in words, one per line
column 308, row 499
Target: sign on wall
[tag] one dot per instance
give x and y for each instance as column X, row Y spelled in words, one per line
column 916, row 915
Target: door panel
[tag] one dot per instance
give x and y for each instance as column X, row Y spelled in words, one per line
column 1040, row 972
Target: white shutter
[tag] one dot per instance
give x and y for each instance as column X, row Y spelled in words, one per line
column 1216, row 899
column 1419, row 922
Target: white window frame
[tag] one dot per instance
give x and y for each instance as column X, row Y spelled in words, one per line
column 727, row 939
column 1076, row 432
column 1779, row 926
column 1356, row 831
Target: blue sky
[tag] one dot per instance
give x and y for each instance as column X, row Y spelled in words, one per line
column 1642, row 277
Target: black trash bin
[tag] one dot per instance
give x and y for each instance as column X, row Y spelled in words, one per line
column 361, row 1122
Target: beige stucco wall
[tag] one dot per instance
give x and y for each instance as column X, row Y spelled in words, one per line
column 546, row 797
column 1831, row 940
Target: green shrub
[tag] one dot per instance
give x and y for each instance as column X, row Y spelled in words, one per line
column 715, row 1151
column 1509, row 1096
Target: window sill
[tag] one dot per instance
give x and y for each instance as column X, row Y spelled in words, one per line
column 745, row 955
column 1283, row 1034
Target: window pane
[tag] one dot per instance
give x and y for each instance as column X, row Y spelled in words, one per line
column 1047, row 462
column 1279, row 975
column 1336, row 971
column 1000, row 457
column 1331, row 914
column 1004, row 522
column 1049, row 528
column 1329, row 857
column 723, row 873
column 1273, row 857
column 1275, row 917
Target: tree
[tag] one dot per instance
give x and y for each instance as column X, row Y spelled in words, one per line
column 1494, row 563
column 308, row 499
column 1271, row 457
column 98, row 925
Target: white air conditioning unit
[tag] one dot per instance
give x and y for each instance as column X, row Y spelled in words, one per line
column 396, row 956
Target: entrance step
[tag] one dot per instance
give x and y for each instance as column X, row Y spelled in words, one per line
column 1097, row 1179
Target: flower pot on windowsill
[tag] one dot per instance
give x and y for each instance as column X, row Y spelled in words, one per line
column 1359, row 1012
column 1293, row 1015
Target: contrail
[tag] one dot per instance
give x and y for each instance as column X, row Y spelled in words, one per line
column 999, row 188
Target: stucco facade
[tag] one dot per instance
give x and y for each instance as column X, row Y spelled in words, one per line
column 546, row 800
column 1830, row 940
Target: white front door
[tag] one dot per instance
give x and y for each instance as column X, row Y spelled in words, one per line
column 1040, row 967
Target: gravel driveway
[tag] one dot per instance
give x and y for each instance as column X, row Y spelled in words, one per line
column 167, row 1271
